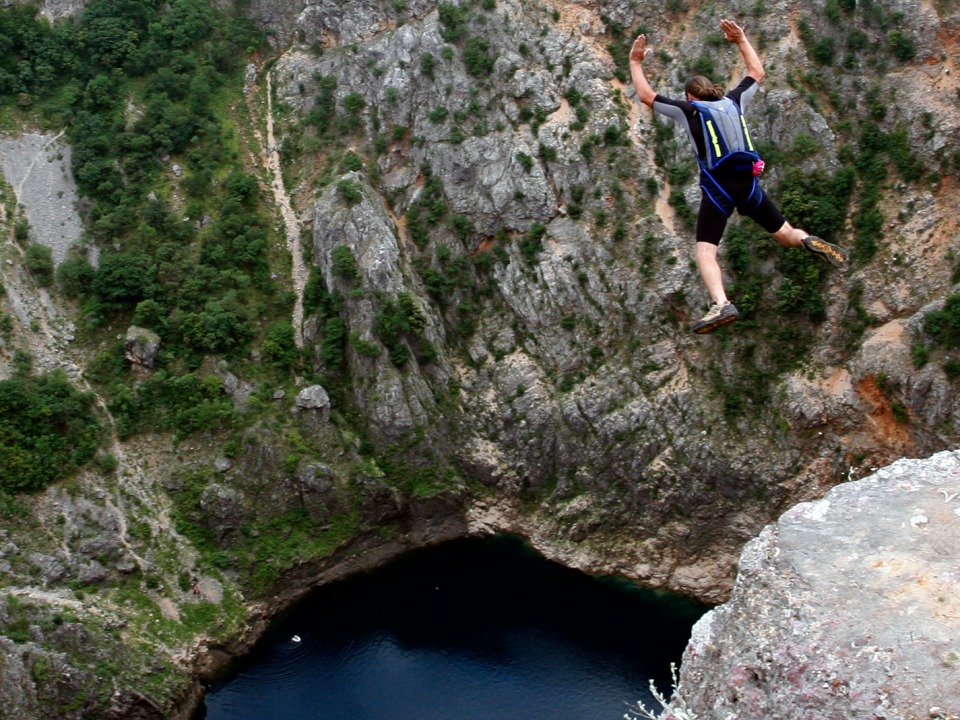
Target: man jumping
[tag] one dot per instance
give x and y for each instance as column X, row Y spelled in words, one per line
column 729, row 167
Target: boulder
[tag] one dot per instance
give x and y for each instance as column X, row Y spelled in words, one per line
column 141, row 346
column 313, row 399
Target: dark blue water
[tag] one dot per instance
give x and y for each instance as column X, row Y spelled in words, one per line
column 471, row 630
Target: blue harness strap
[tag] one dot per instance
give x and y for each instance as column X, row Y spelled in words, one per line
column 719, row 197
column 716, row 193
column 755, row 190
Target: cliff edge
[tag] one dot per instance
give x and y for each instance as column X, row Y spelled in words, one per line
column 845, row 607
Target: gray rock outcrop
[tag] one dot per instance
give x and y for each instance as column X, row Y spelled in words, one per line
column 313, row 398
column 141, row 346
column 848, row 607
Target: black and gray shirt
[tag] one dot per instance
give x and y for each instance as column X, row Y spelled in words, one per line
column 686, row 114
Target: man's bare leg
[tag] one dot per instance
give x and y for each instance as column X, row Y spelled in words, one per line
column 789, row 236
column 710, row 271
column 792, row 237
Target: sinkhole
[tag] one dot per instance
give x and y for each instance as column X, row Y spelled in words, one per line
column 474, row 629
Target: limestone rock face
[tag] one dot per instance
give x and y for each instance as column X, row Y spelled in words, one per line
column 141, row 346
column 848, row 607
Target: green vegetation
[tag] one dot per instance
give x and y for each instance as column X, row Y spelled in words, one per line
column 199, row 288
column 47, row 429
column 944, row 325
column 40, row 262
column 428, row 210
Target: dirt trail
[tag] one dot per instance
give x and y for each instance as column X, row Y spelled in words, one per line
column 270, row 159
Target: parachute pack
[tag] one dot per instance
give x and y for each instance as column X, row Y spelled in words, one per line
column 728, row 147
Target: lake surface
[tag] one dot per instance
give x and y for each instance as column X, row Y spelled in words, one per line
column 470, row 630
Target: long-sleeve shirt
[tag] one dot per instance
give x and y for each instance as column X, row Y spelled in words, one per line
column 686, row 114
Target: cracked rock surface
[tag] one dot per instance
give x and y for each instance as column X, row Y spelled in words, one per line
column 847, row 607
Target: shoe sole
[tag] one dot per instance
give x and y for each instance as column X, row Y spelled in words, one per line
column 828, row 252
column 714, row 325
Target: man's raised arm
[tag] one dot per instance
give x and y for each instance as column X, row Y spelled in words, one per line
column 638, row 52
column 734, row 33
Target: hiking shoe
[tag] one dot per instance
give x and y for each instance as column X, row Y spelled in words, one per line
column 834, row 255
column 716, row 316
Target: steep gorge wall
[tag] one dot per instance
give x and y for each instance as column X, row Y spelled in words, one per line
column 564, row 398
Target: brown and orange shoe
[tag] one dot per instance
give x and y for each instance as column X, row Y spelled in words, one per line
column 834, row 255
column 716, row 316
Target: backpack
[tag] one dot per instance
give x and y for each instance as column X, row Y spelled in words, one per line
column 728, row 144
column 725, row 136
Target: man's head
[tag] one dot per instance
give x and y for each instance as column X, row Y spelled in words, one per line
column 700, row 88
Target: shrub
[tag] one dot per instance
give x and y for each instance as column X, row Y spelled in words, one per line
column 902, row 46
column 526, row 162
column 920, row 354
column 364, row 347
column 47, row 429
column 354, row 103
column 75, row 276
column 475, row 57
column 331, row 347
column 344, row 263
column 40, row 262
column 427, row 63
column 21, row 230
column 952, row 368
column 532, row 244
column 350, row 192
column 899, row 412
column 279, row 349
column 944, row 325
column 438, row 114
column 823, row 51
column 352, row 162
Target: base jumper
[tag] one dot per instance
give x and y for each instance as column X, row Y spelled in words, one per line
column 729, row 167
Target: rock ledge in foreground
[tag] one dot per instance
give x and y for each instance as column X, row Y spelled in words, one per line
column 848, row 607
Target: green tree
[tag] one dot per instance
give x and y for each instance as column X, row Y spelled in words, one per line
column 40, row 262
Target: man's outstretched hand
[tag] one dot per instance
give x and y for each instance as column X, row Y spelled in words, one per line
column 732, row 31
column 639, row 51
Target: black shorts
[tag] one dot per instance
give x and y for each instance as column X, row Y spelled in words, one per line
column 712, row 221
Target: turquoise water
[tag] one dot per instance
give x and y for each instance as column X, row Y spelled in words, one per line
column 470, row 630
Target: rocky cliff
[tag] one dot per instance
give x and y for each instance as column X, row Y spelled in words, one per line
column 488, row 328
column 845, row 607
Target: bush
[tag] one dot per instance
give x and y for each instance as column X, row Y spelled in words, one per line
column 532, row 244
column 902, row 46
column 354, row 103
column 920, row 354
column 475, row 57
column 823, row 51
column 279, row 349
column 40, row 262
column 427, row 63
column 75, row 276
column 352, row 162
column 350, row 192
column 21, row 230
column 331, row 347
column 944, row 325
column 344, row 263
column 952, row 369
column 47, row 429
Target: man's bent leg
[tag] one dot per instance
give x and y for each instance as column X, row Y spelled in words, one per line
column 789, row 236
column 710, row 271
